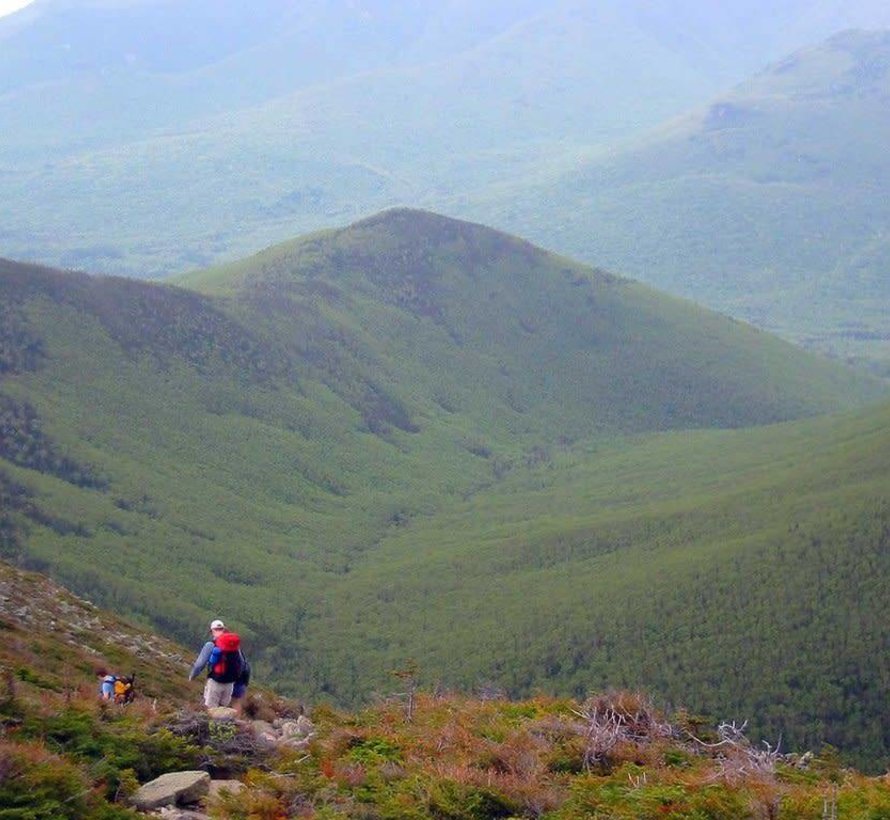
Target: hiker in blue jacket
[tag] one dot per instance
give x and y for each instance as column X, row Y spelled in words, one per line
column 218, row 689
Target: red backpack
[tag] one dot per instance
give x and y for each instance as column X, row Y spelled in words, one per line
column 226, row 668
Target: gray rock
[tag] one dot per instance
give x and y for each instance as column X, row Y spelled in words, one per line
column 171, row 789
column 305, row 726
column 284, row 732
column 169, row 813
column 289, row 729
column 262, row 727
column 296, row 742
column 296, row 729
column 222, row 713
column 264, row 732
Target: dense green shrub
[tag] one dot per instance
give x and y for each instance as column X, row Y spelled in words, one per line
column 23, row 442
column 37, row 785
column 113, row 746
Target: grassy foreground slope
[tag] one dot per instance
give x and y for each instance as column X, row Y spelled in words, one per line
column 259, row 447
column 767, row 204
column 67, row 756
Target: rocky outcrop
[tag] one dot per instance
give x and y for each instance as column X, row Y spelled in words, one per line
column 37, row 604
column 285, row 732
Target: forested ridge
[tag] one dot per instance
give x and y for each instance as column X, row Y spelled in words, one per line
column 419, row 438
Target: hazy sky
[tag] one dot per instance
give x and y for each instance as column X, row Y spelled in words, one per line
column 9, row 6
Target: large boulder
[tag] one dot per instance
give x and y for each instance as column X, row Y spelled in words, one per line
column 174, row 788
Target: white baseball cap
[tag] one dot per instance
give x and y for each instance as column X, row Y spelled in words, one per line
column 217, row 624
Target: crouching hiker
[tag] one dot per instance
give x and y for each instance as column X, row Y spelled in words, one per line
column 117, row 688
column 222, row 658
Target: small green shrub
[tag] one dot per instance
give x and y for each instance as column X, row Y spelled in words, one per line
column 677, row 758
column 458, row 801
column 375, row 751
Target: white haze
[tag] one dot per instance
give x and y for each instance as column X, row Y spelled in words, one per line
column 9, row 6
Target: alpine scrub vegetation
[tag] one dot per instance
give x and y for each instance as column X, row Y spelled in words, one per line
column 611, row 756
column 66, row 754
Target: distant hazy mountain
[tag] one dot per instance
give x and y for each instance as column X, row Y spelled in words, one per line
column 420, row 437
column 116, row 69
column 769, row 204
column 147, row 137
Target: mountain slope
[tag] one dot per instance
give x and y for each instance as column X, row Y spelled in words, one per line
column 61, row 639
column 68, row 756
column 467, row 377
column 746, row 568
column 148, row 64
column 545, row 334
column 767, row 205
column 254, row 443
